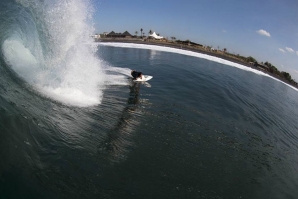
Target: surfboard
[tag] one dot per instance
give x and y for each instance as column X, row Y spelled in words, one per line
column 144, row 78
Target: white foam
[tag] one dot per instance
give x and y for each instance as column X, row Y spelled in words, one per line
column 193, row 54
column 55, row 53
column 19, row 57
column 116, row 76
column 70, row 96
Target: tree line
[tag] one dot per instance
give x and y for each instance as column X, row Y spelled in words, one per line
column 270, row 67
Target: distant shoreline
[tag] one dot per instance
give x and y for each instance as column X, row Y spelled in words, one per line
column 193, row 49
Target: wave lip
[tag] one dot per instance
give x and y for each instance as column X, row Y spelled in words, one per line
column 50, row 47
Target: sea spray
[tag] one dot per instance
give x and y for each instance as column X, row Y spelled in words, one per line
column 50, row 48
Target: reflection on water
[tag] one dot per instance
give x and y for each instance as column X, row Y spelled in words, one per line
column 119, row 139
column 153, row 54
column 134, row 94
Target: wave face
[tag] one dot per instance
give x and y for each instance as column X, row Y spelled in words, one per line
column 47, row 44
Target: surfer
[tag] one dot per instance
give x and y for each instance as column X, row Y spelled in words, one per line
column 136, row 74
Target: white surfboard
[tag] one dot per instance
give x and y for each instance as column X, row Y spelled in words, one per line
column 144, row 78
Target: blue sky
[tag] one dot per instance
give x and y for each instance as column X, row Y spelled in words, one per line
column 264, row 29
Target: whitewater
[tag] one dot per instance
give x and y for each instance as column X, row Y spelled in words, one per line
column 73, row 124
column 48, row 45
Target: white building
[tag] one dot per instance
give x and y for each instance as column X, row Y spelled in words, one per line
column 155, row 36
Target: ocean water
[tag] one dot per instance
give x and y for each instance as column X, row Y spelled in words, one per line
column 74, row 125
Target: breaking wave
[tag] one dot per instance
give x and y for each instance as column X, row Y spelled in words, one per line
column 47, row 44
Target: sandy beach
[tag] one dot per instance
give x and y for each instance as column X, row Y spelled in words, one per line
column 193, row 49
column 178, row 46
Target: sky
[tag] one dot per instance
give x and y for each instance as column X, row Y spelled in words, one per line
column 264, row 29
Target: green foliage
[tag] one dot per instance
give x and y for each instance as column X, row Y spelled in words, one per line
column 241, row 57
column 141, row 31
column 286, row 75
column 251, row 59
column 268, row 64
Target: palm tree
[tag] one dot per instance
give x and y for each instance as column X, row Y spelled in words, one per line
column 150, row 33
column 141, row 31
column 136, row 33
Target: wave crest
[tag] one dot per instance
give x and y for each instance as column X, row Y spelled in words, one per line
column 49, row 46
